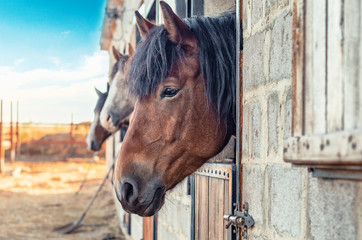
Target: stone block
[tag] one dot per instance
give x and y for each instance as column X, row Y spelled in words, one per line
column 281, row 48
column 259, row 238
column 285, row 198
column 253, row 53
column 256, row 128
column 246, row 130
column 331, row 209
column 185, row 220
column 270, row 5
column 273, row 122
column 288, row 114
column 245, row 19
column 253, row 190
column 136, row 227
column 283, row 3
column 256, row 11
column 213, row 7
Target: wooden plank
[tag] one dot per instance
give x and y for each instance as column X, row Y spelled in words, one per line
column 213, row 191
column 308, row 96
column 203, row 210
column 216, row 208
column 226, row 206
column 315, row 94
column 359, row 120
column 319, row 65
column 351, row 67
column 298, row 67
column 197, row 206
column 334, row 66
column 337, row 148
column 148, row 228
column 219, row 206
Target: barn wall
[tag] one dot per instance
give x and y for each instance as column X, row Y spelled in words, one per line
column 285, row 201
column 174, row 219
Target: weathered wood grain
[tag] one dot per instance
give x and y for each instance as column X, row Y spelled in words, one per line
column 197, row 204
column 298, row 67
column 337, row 148
column 203, row 210
column 352, row 65
column 335, row 66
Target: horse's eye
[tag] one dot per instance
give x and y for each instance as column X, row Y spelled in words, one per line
column 169, row 92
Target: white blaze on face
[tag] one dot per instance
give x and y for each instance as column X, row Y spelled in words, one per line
column 105, row 119
column 92, row 131
column 119, row 102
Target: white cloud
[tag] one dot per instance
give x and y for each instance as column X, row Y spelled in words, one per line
column 55, row 60
column 47, row 95
column 19, row 61
column 65, row 32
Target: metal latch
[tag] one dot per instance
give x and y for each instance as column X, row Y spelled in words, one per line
column 240, row 220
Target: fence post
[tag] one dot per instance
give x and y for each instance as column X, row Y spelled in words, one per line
column 12, row 152
column 17, row 145
column 2, row 160
column 71, row 128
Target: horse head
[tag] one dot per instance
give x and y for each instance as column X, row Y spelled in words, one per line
column 119, row 104
column 183, row 76
column 97, row 134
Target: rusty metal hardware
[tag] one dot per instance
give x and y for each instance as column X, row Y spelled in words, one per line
column 240, row 219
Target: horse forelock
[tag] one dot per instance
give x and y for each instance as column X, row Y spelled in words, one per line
column 119, row 66
column 156, row 55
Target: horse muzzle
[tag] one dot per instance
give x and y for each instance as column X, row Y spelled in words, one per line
column 142, row 199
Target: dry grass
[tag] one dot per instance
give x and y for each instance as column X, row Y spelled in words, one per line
column 36, row 197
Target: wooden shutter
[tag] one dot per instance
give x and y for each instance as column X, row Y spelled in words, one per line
column 327, row 87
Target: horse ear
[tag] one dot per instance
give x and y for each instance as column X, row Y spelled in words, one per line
column 130, row 50
column 99, row 93
column 143, row 24
column 117, row 55
column 175, row 27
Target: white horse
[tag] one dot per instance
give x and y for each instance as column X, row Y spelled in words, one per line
column 119, row 103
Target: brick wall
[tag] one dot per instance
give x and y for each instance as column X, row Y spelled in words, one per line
column 285, row 201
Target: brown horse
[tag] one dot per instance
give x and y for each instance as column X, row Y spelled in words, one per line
column 183, row 76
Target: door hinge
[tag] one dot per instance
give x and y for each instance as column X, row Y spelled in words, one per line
column 241, row 220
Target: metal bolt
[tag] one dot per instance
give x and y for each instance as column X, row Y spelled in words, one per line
column 228, row 225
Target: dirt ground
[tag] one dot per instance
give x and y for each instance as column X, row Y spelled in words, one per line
column 36, row 197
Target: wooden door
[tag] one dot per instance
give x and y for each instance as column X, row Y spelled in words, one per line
column 213, row 195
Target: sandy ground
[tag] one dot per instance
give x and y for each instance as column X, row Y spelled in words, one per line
column 36, row 197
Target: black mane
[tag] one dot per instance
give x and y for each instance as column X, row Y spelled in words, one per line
column 216, row 39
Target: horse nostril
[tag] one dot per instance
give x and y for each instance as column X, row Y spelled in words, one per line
column 108, row 117
column 129, row 191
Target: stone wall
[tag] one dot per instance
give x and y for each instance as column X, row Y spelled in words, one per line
column 285, row 201
column 174, row 219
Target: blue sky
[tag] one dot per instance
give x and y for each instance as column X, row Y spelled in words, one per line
column 50, row 58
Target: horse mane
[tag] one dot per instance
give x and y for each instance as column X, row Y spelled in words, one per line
column 216, row 37
column 119, row 65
